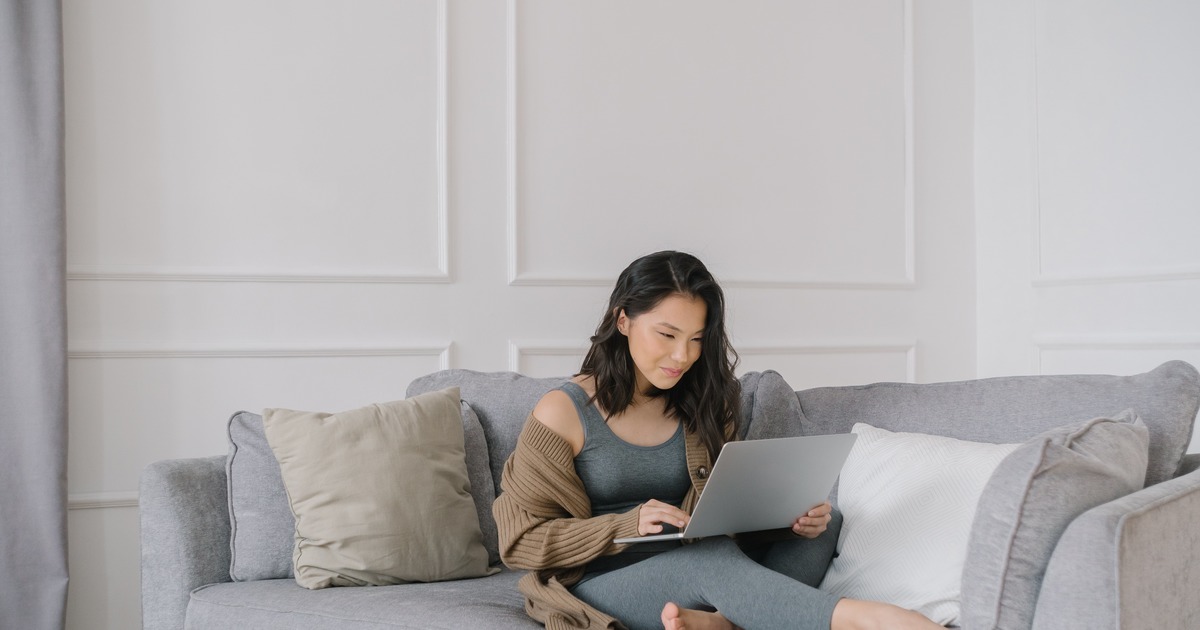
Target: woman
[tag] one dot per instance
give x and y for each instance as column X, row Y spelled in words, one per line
column 623, row 450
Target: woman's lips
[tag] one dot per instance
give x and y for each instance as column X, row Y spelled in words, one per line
column 672, row 373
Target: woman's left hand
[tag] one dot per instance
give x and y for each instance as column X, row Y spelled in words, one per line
column 814, row 522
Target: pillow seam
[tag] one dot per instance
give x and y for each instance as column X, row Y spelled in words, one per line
column 229, row 496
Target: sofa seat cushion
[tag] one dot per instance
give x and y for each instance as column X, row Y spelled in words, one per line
column 490, row 602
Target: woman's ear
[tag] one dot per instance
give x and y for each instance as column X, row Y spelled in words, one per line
column 623, row 322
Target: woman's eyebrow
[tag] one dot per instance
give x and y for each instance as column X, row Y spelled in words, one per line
column 676, row 328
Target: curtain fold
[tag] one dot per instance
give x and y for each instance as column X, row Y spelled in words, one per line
column 33, row 371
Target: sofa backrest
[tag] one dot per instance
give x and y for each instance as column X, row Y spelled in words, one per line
column 503, row 401
column 495, row 407
column 1016, row 408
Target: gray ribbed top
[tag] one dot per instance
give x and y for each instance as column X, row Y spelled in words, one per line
column 618, row 476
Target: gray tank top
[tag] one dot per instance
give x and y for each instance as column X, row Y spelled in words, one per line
column 618, row 475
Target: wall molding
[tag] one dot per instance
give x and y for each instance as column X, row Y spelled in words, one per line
column 1067, row 343
column 519, row 276
column 440, row 274
column 101, row 500
column 442, row 352
column 907, row 348
column 520, row 349
column 134, row 273
column 1042, row 279
column 1120, row 277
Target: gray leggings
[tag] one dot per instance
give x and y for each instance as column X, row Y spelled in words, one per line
column 768, row 586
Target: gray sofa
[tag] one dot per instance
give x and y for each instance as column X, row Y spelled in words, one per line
column 1129, row 563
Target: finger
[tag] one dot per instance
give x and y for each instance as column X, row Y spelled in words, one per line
column 820, row 510
column 673, row 515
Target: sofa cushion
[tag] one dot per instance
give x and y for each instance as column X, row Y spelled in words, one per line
column 1034, row 494
column 1016, row 408
column 774, row 411
column 380, row 493
column 907, row 501
column 262, row 528
column 489, row 603
column 501, row 400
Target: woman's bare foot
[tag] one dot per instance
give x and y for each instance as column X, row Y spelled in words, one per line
column 676, row 618
column 855, row 614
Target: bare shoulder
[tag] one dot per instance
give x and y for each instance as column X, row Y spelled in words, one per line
column 557, row 412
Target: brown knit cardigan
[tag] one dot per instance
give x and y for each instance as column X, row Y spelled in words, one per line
column 546, row 525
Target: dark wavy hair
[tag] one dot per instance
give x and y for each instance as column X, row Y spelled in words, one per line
column 707, row 399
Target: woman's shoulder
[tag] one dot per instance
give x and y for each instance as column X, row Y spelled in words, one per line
column 557, row 412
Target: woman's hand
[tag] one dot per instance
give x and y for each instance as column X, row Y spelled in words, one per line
column 814, row 522
column 653, row 514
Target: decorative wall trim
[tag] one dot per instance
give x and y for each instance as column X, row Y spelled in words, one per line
column 1121, row 277
column 441, row 274
column 101, row 500
column 1045, row 343
column 519, row 349
column 209, row 274
column 907, row 348
column 518, row 276
column 1041, row 278
column 441, row 352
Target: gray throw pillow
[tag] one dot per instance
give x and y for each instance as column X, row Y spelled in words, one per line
column 262, row 528
column 774, row 410
column 1033, row 495
column 260, row 520
column 380, row 494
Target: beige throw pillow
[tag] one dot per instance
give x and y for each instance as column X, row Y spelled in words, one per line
column 380, row 494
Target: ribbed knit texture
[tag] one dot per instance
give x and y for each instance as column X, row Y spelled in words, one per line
column 546, row 525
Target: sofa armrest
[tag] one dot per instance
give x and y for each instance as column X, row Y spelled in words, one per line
column 1191, row 463
column 1130, row 563
column 184, row 516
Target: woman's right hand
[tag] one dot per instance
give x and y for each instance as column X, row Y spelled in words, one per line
column 653, row 514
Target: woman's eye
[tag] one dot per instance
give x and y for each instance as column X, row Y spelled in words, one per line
column 698, row 340
column 667, row 335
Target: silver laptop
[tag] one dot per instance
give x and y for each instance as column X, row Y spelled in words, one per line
column 763, row 484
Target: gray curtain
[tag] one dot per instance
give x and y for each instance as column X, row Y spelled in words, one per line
column 33, row 379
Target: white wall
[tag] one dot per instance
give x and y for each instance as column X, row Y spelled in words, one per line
column 309, row 203
column 1087, row 148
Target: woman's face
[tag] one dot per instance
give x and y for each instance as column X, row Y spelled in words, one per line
column 665, row 341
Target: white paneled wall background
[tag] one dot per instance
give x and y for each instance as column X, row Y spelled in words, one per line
column 1087, row 153
column 309, row 203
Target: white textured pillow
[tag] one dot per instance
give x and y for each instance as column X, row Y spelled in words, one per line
column 908, row 502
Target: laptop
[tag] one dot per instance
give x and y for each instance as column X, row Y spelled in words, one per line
column 763, row 484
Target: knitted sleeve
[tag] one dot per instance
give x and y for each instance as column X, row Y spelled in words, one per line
column 543, row 513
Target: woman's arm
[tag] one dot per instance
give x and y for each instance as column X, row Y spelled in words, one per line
column 543, row 513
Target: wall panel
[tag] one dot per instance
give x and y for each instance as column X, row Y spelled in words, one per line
column 197, row 129
column 1117, row 141
column 808, row 366
column 687, row 133
column 104, row 566
column 131, row 407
